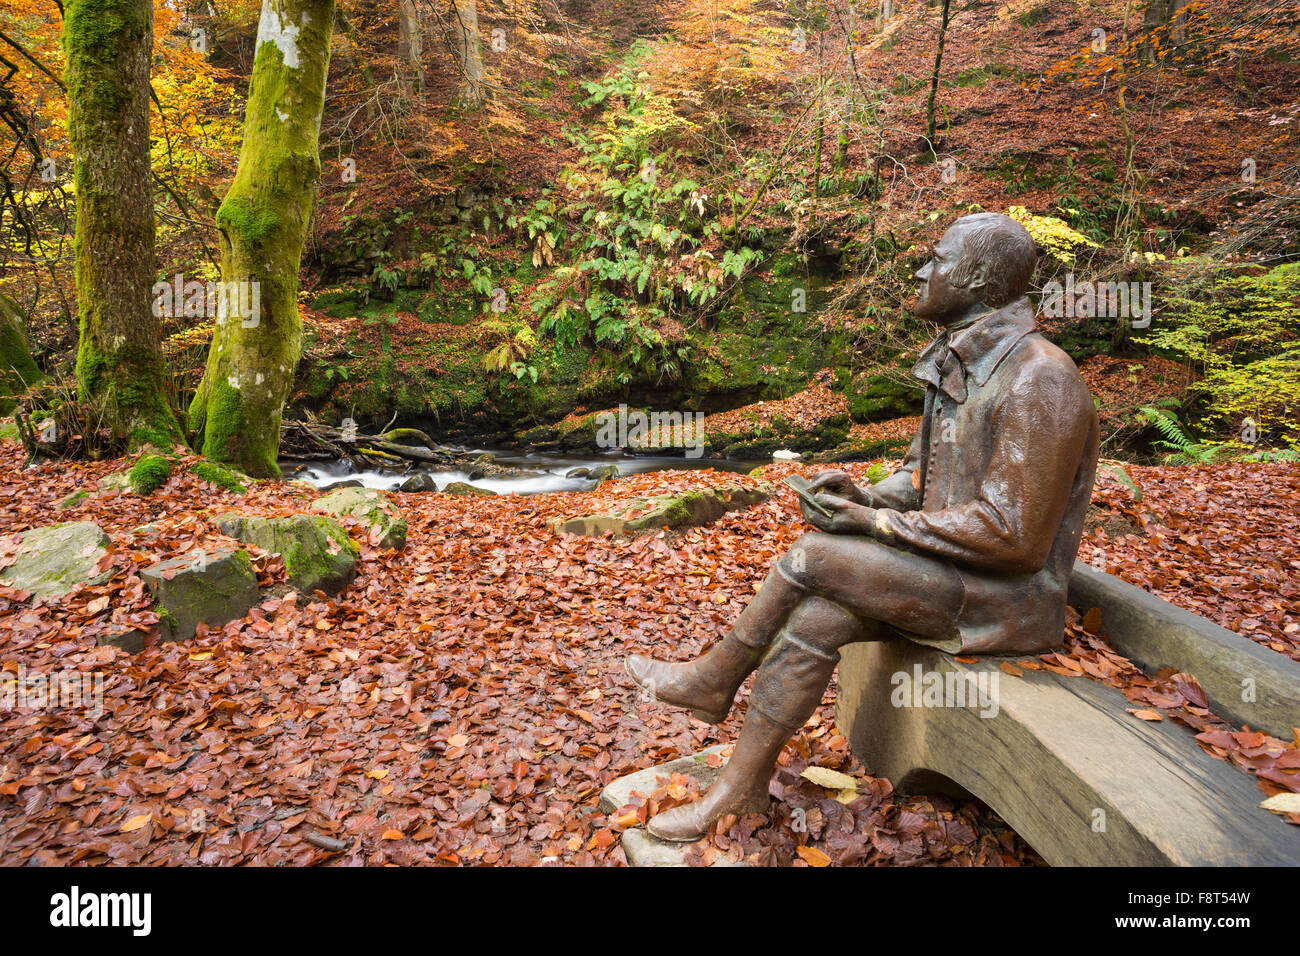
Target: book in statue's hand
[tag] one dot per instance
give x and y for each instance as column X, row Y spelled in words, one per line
column 800, row 484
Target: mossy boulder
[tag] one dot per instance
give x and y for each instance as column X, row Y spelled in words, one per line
column 372, row 508
column 464, row 488
column 209, row 586
column 318, row 554
column 71, row 500
column 59, row 559
column 687, row 509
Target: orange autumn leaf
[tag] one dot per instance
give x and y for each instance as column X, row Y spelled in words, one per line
column 813, row 856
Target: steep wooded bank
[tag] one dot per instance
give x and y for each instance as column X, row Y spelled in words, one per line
column 530, row 215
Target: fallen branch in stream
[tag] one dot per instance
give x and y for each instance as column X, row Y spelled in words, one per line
column 317, row 441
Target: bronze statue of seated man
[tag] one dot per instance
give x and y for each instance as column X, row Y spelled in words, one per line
column 968, row 547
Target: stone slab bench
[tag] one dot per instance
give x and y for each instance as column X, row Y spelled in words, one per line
column 1061, row 760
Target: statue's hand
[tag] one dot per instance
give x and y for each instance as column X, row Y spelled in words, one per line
column 838, row 483
column 848, row 517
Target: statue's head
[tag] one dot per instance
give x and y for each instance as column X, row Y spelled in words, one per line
column 983, row 261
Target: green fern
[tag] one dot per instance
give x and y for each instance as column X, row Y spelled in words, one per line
column 1180, row 448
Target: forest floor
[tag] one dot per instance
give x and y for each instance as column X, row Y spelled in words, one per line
column 464, row 700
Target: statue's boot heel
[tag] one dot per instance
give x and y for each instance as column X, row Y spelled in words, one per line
column 690, row 685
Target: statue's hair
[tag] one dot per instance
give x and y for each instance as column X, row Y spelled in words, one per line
column 1007, row 252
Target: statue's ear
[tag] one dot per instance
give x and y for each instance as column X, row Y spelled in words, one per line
column 978, row 281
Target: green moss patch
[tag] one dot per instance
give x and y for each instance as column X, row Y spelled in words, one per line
column 149, row 474
column 219, row 475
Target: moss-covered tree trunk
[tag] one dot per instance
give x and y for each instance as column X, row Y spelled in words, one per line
column 18, row 371
column 264, row 219
column 107, row 47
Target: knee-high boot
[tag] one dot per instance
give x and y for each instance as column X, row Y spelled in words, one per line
column 789, row 686
column 708, row 684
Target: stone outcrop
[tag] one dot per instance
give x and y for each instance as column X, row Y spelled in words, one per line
column 687, row 509
column 211, row 586
column 318, row 554
column 372, row 508
column 59, row 559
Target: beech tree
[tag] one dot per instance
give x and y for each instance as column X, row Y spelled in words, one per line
column 235, row 415
column 108, row 46
column 465, row 27
column 410, row 45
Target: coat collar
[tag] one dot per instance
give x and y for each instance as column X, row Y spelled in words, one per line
column 980, row 348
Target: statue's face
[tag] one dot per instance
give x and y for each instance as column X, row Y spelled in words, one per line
column 939, row 298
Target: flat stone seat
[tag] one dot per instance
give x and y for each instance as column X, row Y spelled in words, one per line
column 1083, row 781
column 640, row 848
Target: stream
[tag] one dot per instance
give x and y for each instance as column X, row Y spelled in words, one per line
column 528, row 473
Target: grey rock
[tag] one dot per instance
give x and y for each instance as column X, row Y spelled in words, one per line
column 57, row 560
column 463, row 488
column 318, row 554
column 419, row 482
column 373, row 508
column 117, row 480
column 213, row 586
column 345, row 483
column 686, row 509
column 71, row 500
column 130, row 640
column 640, row 848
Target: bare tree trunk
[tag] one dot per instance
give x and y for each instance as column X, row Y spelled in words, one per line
column 108, row 45
column 1164, row 21
column 934, row 78
column 264, row 220
column 468, row 47
column 410, row 43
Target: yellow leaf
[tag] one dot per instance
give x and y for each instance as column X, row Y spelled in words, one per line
column 830, row 779
column 457, row 740
column 136, row 823
column 392, row 835
column 201, row 657
column 377, row 774
column 1283, row 803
